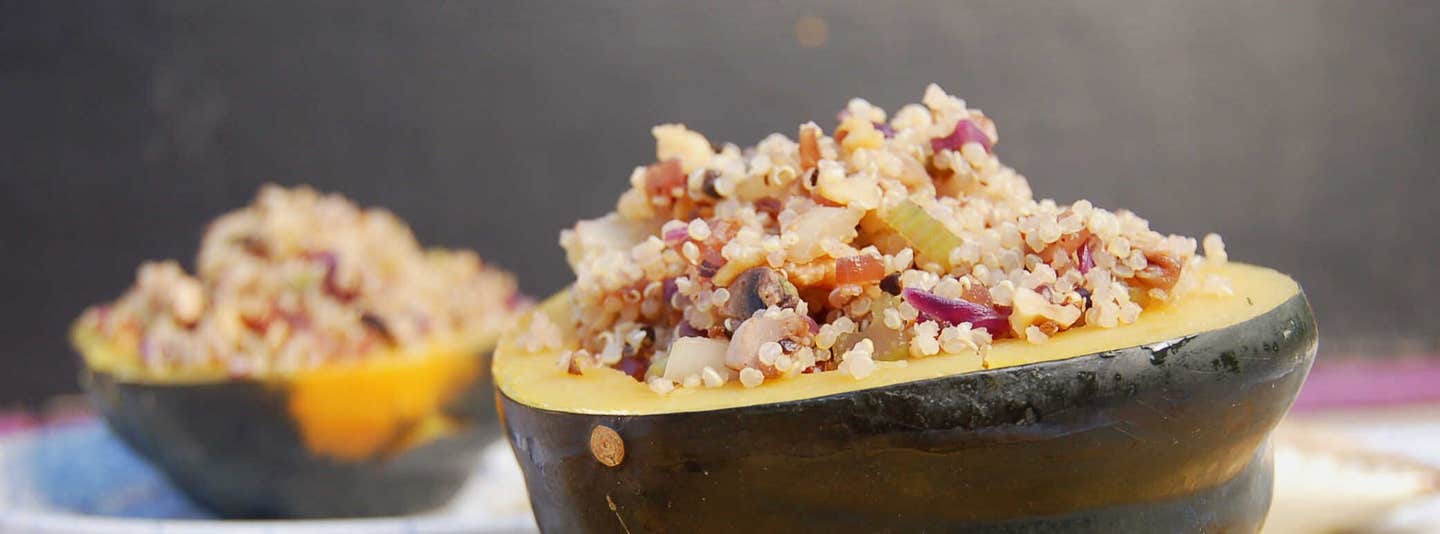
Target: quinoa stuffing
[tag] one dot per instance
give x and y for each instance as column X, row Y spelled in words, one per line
column 885, row 238
column 298, row 280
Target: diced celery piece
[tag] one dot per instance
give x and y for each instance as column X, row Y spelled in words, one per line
column 929, row 237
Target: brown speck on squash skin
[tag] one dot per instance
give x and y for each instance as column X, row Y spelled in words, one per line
column 606, row 446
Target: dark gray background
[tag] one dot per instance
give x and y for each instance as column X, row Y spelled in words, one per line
column 1303, row 131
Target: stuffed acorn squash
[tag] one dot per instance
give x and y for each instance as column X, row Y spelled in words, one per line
column 320, row 365
column 881, row 330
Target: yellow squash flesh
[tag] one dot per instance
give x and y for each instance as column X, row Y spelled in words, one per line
column 354, row 412
column 533, row 378
column 377, row 405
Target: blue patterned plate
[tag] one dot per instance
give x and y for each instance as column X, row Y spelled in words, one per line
column 78, row 477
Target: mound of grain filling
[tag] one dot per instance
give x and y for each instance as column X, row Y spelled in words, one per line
column 301, row 279
column 885, row 238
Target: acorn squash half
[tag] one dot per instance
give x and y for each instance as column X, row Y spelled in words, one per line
column 387, row 435
column 1157, row 426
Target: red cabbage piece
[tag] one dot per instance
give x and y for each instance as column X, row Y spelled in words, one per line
column 955, row 311
column 965, row 132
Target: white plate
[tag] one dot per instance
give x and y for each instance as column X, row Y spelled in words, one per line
column 78, row 478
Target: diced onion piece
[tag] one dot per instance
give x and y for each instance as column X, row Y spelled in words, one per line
column 691, row 355
column 858, row 269
column 956, row 311
column 965, row 132
column 662, row 178
column 1085, row 256
column 926, row 234
column 676, row 236
column 816, row 225
column 635, row 367
column 743, row 350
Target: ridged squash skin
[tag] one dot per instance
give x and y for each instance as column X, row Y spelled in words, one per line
column 1168, row 436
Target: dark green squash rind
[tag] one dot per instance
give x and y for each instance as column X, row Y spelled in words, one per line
column 1167, row 437
column 234, row 448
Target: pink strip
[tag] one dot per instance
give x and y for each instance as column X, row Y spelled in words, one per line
column 1366, row 382
column 15, row 422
